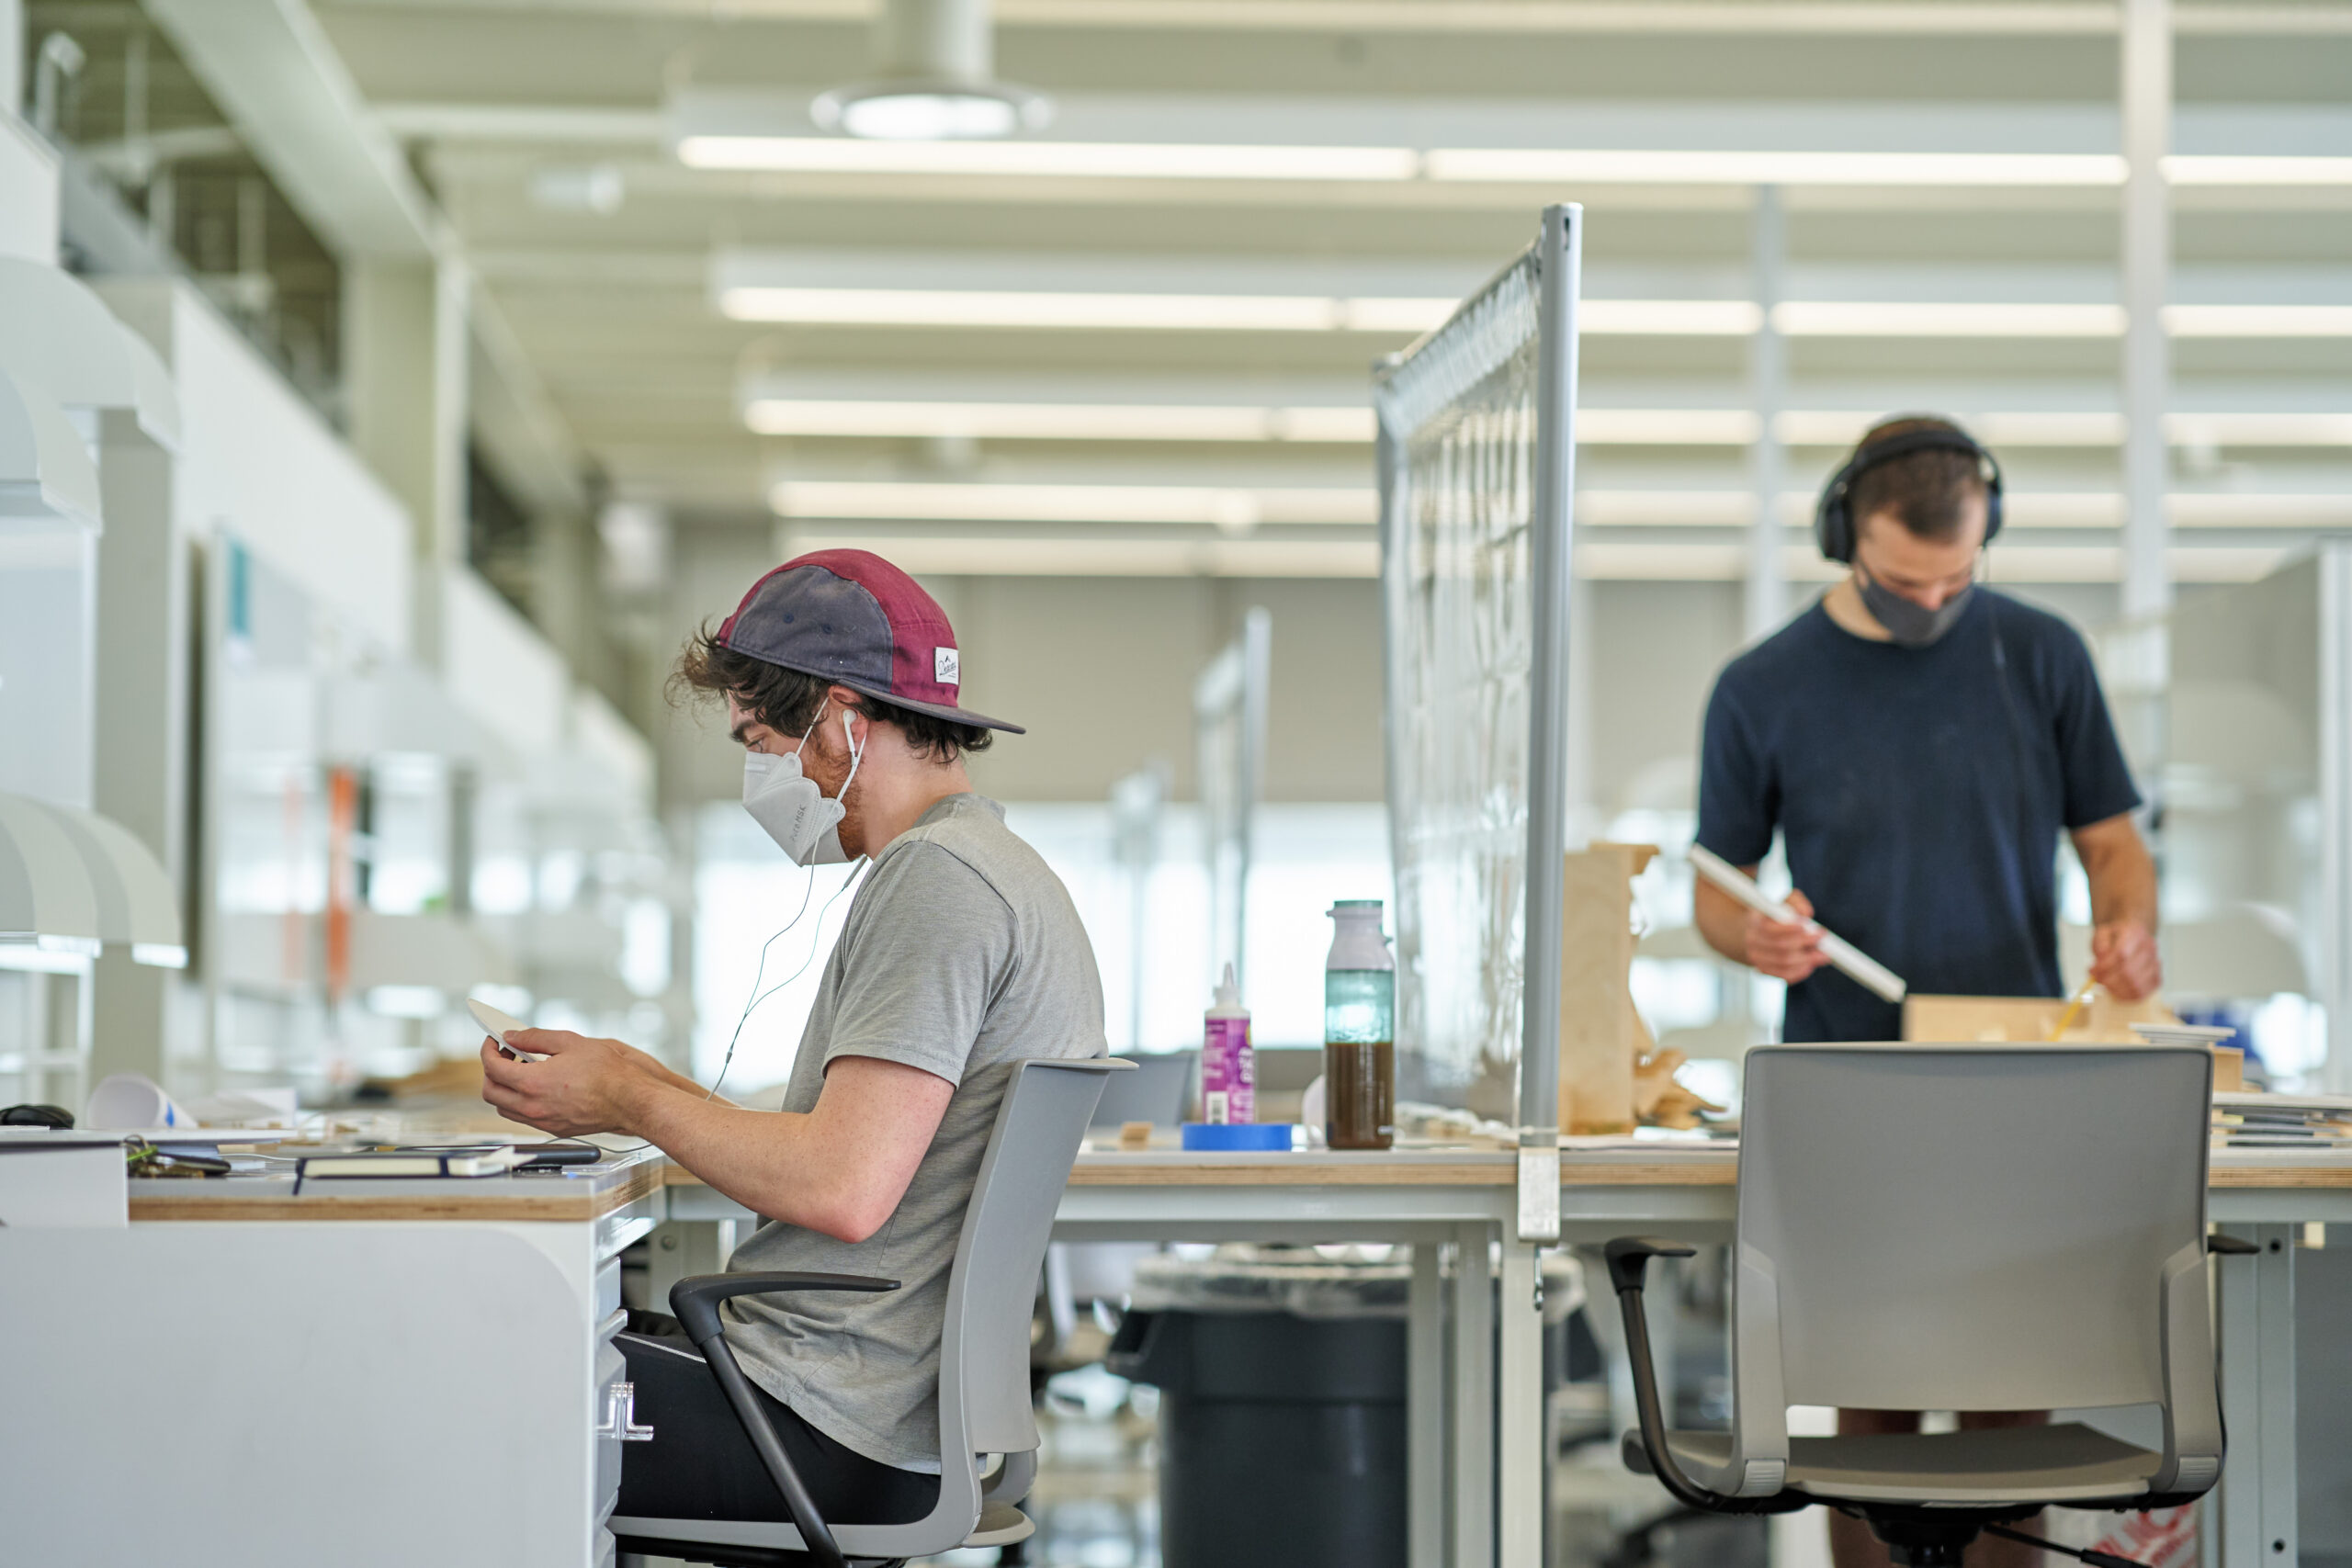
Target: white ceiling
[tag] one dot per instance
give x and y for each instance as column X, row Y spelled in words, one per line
column 1941, row 159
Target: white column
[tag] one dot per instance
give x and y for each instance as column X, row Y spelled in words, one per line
column 1768, row 384
column 404, row 357
column 144, row 671
column 2147, row 270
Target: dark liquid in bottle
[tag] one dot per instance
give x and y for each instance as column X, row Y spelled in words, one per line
column 1359, row 1095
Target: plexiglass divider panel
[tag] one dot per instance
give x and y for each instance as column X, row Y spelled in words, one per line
column 1475, row 446
column 2257, row 839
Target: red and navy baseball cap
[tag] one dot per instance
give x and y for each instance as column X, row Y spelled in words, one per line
column 850, row 617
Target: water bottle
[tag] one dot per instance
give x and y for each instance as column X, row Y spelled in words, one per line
column 1358, row 1030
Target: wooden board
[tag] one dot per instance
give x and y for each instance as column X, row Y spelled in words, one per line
column 1966, row 1020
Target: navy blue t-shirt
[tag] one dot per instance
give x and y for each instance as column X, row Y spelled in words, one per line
column 1919, row 792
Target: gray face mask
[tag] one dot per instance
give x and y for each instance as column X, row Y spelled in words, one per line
column 1911, row 625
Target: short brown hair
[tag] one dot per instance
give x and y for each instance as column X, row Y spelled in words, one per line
column 1928, row 491
column 787, row 701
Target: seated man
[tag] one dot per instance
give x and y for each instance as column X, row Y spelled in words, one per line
column 960, row 955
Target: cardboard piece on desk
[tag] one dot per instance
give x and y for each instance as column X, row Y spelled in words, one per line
column 1601, row 1037
column 2027, row 1020
column 1660, row 1099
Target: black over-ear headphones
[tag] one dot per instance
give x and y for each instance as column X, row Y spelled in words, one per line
column 1833, row 521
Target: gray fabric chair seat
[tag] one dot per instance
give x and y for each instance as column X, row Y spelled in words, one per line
column 2063, row 1462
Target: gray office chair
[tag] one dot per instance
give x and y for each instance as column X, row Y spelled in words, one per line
column 984, row 1406
column 1956, row 1227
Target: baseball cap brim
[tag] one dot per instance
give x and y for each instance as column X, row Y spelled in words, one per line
column 937, row 710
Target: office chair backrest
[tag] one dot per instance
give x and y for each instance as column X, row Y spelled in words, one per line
column 1157, row 1091
column 992, row 1286
column 1968, row 1227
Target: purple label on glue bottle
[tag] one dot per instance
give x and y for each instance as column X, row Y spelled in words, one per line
column 1228, row 1072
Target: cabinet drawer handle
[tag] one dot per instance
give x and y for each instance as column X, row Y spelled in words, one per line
column 620, row 1415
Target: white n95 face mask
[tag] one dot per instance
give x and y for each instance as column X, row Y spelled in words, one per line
column 794, row 811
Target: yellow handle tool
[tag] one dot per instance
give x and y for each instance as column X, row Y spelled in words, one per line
column 2066, row 1019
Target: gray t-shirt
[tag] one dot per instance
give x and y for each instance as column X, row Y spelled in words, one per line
column 962, row 954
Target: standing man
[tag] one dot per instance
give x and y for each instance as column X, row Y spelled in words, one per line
column 961, row 955
column 1919, row 741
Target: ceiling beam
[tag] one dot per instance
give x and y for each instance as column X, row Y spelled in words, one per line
column 270, row 67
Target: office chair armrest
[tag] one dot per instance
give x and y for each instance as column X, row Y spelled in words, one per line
column 1629, row 1259
column 695, row 1303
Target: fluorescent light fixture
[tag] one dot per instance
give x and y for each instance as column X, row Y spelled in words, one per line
column 974, row 308
column 1824, row 317
column 990, row 556
column 1197, row 312
column 1666, row 427
column 1057, row 422
column 744, row 149
column 2258, row 321
column 1664, row 508
column 2260, row 429
column 1056, row 160
column 1232, row 509
column 1136, row 311
column 1535, row 165
column 2201, row 169
column 1669, row 317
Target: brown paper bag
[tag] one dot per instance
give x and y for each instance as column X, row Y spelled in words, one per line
column 1600, row 1034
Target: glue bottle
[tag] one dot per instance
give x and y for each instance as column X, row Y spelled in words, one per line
column 1228, row 1066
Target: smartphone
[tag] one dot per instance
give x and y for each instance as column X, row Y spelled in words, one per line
column 498, row 1023
column 560, row 1153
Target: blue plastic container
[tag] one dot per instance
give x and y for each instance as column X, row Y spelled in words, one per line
column 1256, row 1137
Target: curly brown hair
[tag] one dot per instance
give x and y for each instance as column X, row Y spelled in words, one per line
column 787, row 701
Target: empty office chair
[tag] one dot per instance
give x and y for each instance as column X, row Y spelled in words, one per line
column 1956, row 1227
column 984, row 1408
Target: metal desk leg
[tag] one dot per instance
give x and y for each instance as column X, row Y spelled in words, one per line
column 1474, row 1400
column 679, row 1249
column 1520, row 1450
column 2257, row 1332
column 1425, row 1412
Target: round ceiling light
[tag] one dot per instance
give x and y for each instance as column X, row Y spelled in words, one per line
column 931, row 110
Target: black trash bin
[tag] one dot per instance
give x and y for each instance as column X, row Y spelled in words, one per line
column 1282, row 1439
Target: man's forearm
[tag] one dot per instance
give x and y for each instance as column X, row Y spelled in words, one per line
column 757, row 1158
column 1722, row 920
column 2123, row 885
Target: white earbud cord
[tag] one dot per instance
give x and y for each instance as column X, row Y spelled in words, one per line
column 816, row 939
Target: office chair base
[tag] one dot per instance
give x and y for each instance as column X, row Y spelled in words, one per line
column 1931, row 1537
column 702, row 1551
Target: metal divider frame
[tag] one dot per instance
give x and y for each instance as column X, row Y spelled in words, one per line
column 1556, row 260
column 2334, row 692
